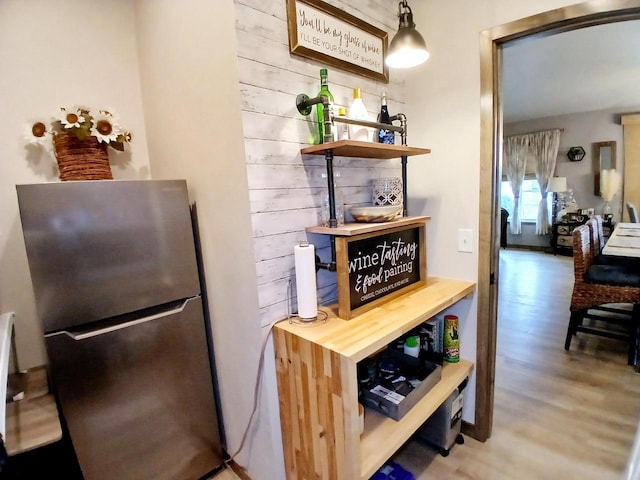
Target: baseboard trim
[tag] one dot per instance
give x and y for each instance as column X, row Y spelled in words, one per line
column 470, row 430
column 535, row 248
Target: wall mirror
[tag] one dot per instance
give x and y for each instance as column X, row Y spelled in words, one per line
column 604, row 158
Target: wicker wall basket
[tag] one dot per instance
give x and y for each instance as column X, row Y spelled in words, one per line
column 85, row 159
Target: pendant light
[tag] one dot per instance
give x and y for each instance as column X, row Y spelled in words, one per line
column 408, row 48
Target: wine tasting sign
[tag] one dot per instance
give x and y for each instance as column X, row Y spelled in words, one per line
column 375, row 267
column 322, row 32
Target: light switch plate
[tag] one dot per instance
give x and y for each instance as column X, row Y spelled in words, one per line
column 465, row 240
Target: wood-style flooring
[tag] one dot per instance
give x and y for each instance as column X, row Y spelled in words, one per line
column 226, row 474
column 557, row 414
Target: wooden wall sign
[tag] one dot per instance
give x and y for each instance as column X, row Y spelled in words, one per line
column 322, row 32
column 374, row 268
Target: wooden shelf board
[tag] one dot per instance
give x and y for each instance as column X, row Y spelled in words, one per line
column 350, row 229
column 383, row 436
column 354, row 148
column 367, row 333
column 32, row 422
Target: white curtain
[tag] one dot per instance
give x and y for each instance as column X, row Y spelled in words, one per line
column 544, row 145
column 515, row 149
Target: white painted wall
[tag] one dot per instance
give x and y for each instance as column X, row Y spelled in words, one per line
column 444, row 114
column 190, row 90
column 77, row 52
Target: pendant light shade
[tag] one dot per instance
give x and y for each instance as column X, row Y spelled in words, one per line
column 408, row 48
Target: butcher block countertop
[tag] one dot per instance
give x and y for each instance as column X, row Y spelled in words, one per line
column 369, row 332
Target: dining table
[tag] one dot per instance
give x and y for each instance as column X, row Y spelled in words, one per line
column 624, row 241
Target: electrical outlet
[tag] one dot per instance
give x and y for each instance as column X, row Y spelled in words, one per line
column 465, row 240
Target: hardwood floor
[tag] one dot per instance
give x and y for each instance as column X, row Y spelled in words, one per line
column 557, row 414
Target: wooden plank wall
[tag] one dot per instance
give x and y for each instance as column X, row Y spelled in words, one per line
column 285, row 189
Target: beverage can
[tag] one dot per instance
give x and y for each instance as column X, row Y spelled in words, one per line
column 451, row 339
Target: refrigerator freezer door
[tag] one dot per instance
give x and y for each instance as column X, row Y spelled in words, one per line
column 138, row 400
column 99, row 249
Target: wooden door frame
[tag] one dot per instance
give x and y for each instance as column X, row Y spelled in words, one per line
column 594, row 12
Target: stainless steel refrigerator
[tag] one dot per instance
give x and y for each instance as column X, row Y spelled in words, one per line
column 118, row 292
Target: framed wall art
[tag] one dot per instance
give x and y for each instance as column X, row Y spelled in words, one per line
column 331, row 36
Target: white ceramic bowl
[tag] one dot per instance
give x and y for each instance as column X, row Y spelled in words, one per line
column 371, row 214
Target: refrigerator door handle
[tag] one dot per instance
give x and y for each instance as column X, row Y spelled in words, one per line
column 120, row 326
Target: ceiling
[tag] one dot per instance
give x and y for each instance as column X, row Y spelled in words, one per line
column 594, row 68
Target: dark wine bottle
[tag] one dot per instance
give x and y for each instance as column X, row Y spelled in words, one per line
column 385, row 136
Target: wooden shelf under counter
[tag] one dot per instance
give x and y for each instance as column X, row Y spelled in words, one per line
column 383, row 435
column 318, row 387
column 355, row 148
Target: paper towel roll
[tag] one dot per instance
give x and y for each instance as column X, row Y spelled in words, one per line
column 305, row 260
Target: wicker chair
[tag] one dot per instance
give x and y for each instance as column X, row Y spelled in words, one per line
column 633, row 212
column 596, row 229
column 597, row 225
column 596, row 286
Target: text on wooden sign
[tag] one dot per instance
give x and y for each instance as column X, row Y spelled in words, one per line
column 382, row 264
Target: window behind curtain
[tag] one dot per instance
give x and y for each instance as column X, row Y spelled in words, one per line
column 529, row 199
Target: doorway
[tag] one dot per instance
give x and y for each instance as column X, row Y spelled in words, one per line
column 492, row 41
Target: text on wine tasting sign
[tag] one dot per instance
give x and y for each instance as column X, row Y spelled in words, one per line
column 323, row 32
column 380, row 265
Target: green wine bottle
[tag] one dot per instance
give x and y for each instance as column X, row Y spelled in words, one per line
column 324, row 90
